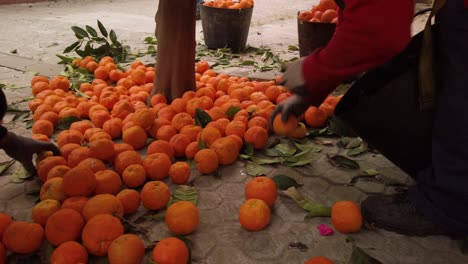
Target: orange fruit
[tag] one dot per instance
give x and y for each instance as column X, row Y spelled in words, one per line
column 107, row 181
column 135, row 136
column 206, row 161
column 157, row 166
column 160, row 146
column 346, row 217
column 70, row 252
column 262, row 188
column 315, row 117
column 64, row 225
column 23, row 237
column 53, row 189
column 134, row 176
column 284, row 129
column 102, row 204
column 179, row 143
column 209, row 135
column 76, row 203
column 227, row 150
column 78, row 155
column 191, row 150
column 113, row 127
column 99, row 232
column 166, row 132
column 181, row 120
column 236, row 128
column 125, row 159
column 81, row 126
column 130, row 200
column 102, row 149
column 318, row 260
column 119, row 148
column 182, row 218
column 257, row 136
column 126, row 249
column 5, row 221
column 155, row 195
column 43, row 210
column 254, row 215
column 180, row 172
column 170, row 250
column 191, row 131
column 79, row 181
column 143, row 118
column 93, row 164
column 57, row 171
column 44, row 127
column 47, row 164
column 52, row 117
column 40, row 137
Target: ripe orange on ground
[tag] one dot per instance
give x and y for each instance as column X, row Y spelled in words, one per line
column 257, row 136
column 78, row 155
column 167, row 113
column 134, row 176
column 126, row 249
column 102, row 149
column 284, row 129
column 99, row 135
column 318, row 260
column 180, row 172
column 179, row 143
column 5, row 221
column 113, row 127
column 170, row 250
column 51, row 117
column 315, row 117
column 135, row 136
column 206, row 161
column 44, row 127
column 160, row 146
column 70, row 252
column 119, row 148
column 23, row 237
column 238, row 140
column 182, row 218
column 40, row 137
column 346, row 217
column 47, row 164
column 157, row 166
column 179, row 104
column 254, row 215
column 181, row 120
column 81, row 126
column 99, row 232
column 102, row 204
column 99, row 117
column 93, row 164
column 64, row 225
column 79, row 181
column 236, row 128
column 69, row 136
column 166, row 132
column 130, row 200
column 191, row 150
column 66, row 149
column 52, row 189
column 43, row 210
column 262, row 188
column 125, row 159
column 143, row 118
column 107, row 181
column 76, row 203
column 91, row 132
column 155, row 195
column 227, row 150
column 258, row 121
column 209, row 135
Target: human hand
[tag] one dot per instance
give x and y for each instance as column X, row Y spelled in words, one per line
column 293, row 79
column 22, row 149
column 294, row 105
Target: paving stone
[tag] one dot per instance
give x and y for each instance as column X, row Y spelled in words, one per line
column 289, row 211
column 233, row 173
column 21, row 202
column 9, row 191
column 334, row 247
column 290, row 172
column 206, row 182
column 340, row 175
column 230, row 233
column 202, row 244
column 209, row 200
column 442, row 257
column 435, row 242
column 20, row 215
column 210, row 217
column 396, row 174
column 277, row 226
column 262, row 246
column 226, row 254
column 230, row 208
column 231, row 190
column 314, row 188
column 337, row 193
column 381, row 162
column 407, row 251
column 370, row 186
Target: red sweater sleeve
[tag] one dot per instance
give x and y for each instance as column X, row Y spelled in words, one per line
column 369, row 33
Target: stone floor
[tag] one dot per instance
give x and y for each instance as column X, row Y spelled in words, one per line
column 33, row 29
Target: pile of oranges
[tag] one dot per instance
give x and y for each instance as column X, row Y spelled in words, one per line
column 96, row 180
column 230, row 4
column 325, row 12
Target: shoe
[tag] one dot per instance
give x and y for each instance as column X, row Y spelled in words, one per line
column 395, row 213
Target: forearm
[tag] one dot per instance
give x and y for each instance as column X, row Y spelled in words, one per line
column 370, row 32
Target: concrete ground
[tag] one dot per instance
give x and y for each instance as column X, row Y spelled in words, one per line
column 39, row 31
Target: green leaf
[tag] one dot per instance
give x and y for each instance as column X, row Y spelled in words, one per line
column 201, row 144
column 360, row 257
column 185, row 193
column 150, row 40
column 65, row 123
column 248, row 62
column 356, row 151
column 151, row 50
column 284, row 182
column 29, row 124
column 254, row 169
column 20, row 175
column 102, row 28
column 299, row 163
column 303, row 155
column 232, row 111
column 243, row 156
column 80, row 32
column 91, row 31
column 293, row 48
column 113, row 37
column 317, row 132
column 285, row 149
column 314, row 208
column 354, row 143
column 64, row 59
column 271, row 152
column 372, row 172
column 266, row 68
column 341, row 161
column 272, row 141
column 262, row 161
column 309, row 147
column 248, row 149
column 71, row 47
column 5, row 165
column 202, row 118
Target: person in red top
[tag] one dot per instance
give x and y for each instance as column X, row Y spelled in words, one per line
column 369, row 33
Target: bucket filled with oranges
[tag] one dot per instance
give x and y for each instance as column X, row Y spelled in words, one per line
column 316, row 26
column 226, row 23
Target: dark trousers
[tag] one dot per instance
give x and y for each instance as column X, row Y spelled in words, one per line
column 442, row 191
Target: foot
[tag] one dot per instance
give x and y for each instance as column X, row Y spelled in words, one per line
column 396, row 213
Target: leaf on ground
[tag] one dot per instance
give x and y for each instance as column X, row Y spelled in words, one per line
column 202, row 118
column 254, row 169
column 248, row 149
column 232, row 111
column 293, row 48
column 356, row 151
column 372, row 172
column 271, row 152
column 317, row 132
column 262, row 161
column 341, row 161
column 353, row 143
column 20, row 175
column 5, row 165
column 185, row 193
column 244, row 156
column 314, row 208
column 29, row 124
column 272, row 141
column 308, row 147
column 303, row 155
column 299, row 163
column 65, row 123
column 359, row 256
column 285, row 149
column 191, row 163
column 324, row 142
column 284, row 182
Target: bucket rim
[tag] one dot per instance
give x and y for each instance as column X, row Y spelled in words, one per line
column 222, row 8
